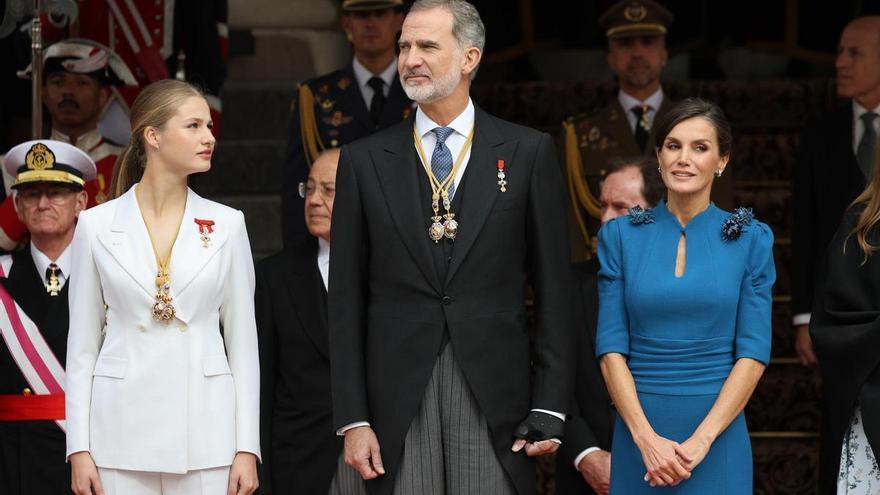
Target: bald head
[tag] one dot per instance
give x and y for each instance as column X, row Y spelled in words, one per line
column 858, row 61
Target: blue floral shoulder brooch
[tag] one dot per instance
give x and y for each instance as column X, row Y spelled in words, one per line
column 639, row 215
column 736, row 223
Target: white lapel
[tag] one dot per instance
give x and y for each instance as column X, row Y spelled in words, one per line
column 129, row 243
column 191, row 254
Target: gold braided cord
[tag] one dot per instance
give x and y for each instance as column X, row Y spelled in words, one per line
column 312, row 145
column 581, row 196
column 643, row 26
column 48, row 176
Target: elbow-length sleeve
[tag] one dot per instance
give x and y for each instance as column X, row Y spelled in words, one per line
column 86, row 303
column 240, row 334
column 753, row 318
column 612, row 332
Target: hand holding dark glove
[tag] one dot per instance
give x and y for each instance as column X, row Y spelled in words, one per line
column 540, row 433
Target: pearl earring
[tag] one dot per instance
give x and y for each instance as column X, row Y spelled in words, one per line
column 719, row 172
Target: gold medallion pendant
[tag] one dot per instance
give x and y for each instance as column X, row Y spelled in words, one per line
column 163, row 309
column 448, row 228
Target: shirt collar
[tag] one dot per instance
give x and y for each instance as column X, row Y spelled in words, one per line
column 859, row 110
column 363, row 75
column 87, row 142
column 461, row 124
column 654, row 101
column 41, row 261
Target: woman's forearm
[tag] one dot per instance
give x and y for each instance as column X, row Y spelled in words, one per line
column 622, row 389
column 732, row 399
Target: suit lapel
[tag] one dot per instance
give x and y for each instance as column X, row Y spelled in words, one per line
column 481, row 180
column 845, row 142
column 129, row 243
column 306, row 290
column 398, row 170
column 190, row 254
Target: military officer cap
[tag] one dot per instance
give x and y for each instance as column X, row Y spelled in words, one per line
column 629, row 18
column 362, row 5
column 82, row 56
column 45, row 160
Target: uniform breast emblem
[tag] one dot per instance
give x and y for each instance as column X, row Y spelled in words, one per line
column 344, row 83
column 327, row 105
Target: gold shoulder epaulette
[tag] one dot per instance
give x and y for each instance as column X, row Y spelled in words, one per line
column 312, row 145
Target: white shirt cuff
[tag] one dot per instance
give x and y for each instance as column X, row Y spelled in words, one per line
column 551, row 413
column 801, row 319
column 586, row 452
column 341, row 432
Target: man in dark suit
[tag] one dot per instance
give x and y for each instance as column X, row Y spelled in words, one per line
column 428, row 344
column 48, row 195
column 337, row 108
column 832, row 165
column 300, row 451
column 583, row 463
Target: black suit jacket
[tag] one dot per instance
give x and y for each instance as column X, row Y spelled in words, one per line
column 393, row 304
column 341, row 116
column 591, row 418
column 300, row 448
column 32, row 453
column 826, row 179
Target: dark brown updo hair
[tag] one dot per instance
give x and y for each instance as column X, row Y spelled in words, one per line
column 695, row 107
column 153, row 107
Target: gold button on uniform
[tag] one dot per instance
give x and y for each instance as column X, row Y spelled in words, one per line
column 26, row 391
column 182, row 327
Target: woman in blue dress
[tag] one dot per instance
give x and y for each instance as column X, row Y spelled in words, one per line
column 684, row 320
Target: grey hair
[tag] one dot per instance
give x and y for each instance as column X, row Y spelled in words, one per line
column 467, row 27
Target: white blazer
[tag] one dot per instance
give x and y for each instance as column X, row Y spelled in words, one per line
column 166, row 397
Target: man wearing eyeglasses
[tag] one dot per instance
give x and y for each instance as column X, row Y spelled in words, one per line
column 300, row 449
column 48, row 196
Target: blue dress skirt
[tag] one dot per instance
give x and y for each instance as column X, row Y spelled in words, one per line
column 682, row 335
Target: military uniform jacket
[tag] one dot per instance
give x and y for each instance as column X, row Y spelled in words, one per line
column 172, row 396
column 32, row 452
column 336, row 115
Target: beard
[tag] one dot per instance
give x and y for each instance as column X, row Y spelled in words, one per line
column 640, row 74
column 435, row 89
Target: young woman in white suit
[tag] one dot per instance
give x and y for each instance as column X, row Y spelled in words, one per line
column 162, row 365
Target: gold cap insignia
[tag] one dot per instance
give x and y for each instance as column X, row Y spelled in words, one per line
column 40, row 157
column 635, row 12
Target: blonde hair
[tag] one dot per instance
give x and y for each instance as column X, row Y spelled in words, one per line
column 153, row 107
column 870, row 215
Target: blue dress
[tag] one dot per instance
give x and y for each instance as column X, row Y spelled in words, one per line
column 682, row 335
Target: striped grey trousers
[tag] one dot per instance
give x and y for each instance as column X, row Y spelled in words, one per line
column 447, row 449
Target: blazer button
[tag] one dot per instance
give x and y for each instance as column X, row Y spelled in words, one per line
column 447, row 300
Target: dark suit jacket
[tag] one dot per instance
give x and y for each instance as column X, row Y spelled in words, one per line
column 846, row 334
column 591, row 420
column 341, row 117
column 826, row 179
column 32, row 452
column 397, row 296
column 300, row 448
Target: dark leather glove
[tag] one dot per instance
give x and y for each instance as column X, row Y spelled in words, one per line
column 539, row 426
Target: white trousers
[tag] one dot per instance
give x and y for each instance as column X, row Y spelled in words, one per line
column 212, row 481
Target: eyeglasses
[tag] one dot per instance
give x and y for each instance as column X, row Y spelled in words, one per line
column 306, row 189
column 56, row 196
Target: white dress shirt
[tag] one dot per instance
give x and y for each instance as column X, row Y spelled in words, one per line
column 858, row 132
column 324, row 261
column 363, row 76
column 462, row 125
column 653, row 103
column 41, row 261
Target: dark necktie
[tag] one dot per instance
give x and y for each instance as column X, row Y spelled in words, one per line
column 53, row 285
column 378, row 101
column 866, row 152
column 642, row 127
column 441, row 159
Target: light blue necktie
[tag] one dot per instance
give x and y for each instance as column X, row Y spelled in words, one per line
column 441, row 159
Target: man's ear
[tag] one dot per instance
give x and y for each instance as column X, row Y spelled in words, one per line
column 345, row 22
column 82, row 200
column 472, row 57
column 103, row 97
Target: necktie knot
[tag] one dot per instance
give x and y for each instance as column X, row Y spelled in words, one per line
column 376, row 83
column 868, row 118
column 443, row 133
column 639, row 110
